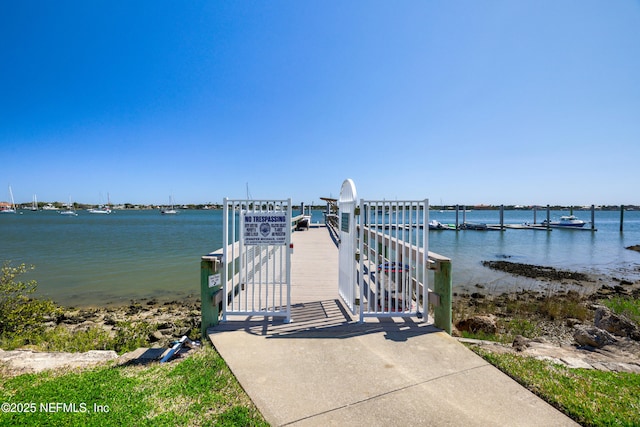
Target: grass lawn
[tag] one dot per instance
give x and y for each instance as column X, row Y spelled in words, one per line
column 591, row 398
column 199, row 390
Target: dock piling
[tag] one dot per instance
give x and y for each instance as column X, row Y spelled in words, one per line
column 210, row 293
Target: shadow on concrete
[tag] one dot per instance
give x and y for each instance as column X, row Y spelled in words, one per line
column 327, row 320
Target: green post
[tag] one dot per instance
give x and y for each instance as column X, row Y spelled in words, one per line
column 442, row 287
column 209, row 306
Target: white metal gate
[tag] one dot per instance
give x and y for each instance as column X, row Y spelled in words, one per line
column 256, row 276
column 393, row 262
column 347, row 282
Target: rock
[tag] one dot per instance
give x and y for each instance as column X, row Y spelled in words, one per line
column 616, row 324
column 27, row 361
column 520, row 343
column 480, row 323
column 535, row 271
column 592, row 336
column 571, row 322
column 156, row 336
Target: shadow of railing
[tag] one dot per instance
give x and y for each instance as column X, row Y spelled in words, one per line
column 326, row 319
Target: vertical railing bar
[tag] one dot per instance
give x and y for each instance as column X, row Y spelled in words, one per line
column 401, row 257
column 393, row 282
column 277, row 296
column 235, row 255
column 385, row 253
column 376, row 260
column 288, row 261
column 364, row 212
column 239, row 259
column 225, row 249
column 371, row 253
column 283, row 265
column 381, row 259
column 413, row 277
column 263, row 273
column 406, row 236
column 425, row 248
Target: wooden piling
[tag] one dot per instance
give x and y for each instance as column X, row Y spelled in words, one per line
column 442, row 314
column 209, row 294
column 621, row 218
column 548, row 217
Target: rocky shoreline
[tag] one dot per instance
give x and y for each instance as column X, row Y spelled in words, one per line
column 160, row 323
column 165, row 321
column 569, row 328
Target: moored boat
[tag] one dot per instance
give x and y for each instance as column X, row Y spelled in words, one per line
column 70, row 211
column 8, row 207
column 169, row 210
column 566, row 221
column 100, row 210
column 104, row 209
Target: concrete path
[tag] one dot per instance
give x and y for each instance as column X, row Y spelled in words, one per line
column 324, row 368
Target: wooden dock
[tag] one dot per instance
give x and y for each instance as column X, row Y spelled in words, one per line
column 326, row 368
column 314, row 266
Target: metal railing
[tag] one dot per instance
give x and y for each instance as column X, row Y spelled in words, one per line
column 211, row 286
column 440, row 296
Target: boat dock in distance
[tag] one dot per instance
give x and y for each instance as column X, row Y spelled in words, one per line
column 567, row 222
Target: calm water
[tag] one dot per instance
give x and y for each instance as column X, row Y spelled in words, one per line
column 601, row 253
column 111, row 259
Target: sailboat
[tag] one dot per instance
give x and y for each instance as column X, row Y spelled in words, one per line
column 170, row 210
column 70, row 210
column 12, row 207
column 102, row 209
column 34, row 204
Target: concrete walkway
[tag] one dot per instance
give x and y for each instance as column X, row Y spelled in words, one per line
column 324, row 368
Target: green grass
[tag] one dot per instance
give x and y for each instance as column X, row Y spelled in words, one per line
column 200, row 390
column 630, row 307
column 591, row 398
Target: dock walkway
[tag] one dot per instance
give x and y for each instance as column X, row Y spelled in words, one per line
column 325, row 368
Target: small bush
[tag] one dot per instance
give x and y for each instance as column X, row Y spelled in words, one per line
column 22, row 318
column 130, row 336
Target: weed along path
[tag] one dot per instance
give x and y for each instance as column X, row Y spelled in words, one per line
column 325, row 368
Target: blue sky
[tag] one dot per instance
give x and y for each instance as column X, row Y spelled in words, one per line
column 514, row 102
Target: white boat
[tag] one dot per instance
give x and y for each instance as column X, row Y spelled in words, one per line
column 70, row 210
column 100, row 210
column 11, row 207
column 437, row 225
column 105, row 209
column 34, row 204
column 566, row 221
column 49, row 207
column 169, row 210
